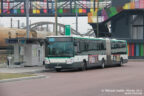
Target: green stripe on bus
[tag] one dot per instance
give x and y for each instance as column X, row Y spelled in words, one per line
column 119, row 40
column 98, row 39
column 89, row 38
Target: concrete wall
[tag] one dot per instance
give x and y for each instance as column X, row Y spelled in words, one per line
column 119, row 2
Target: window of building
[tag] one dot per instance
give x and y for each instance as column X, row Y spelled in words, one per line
column 137, row 32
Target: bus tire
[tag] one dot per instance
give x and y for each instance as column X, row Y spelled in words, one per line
column 84, row 66
column 121, row 62
column 58, row 70
column 103, row 64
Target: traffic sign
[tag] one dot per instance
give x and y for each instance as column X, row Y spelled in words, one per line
column 67, row 30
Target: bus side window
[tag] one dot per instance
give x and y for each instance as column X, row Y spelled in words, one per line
column 77, row 48
column 97, row 46
column 112, row 47
column 86, row 46
column 123, row 45
column 80, row 46
column 102, row 46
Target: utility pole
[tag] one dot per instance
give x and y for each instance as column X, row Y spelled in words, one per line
column 11, row 22
column 76, row 16
column 18, row 24
column 94, row 4
column 27, row 17
column 106, row 2
column 94, row 7
column 56, row 33
column 97, row 25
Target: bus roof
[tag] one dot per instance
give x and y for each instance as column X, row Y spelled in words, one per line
column 87, row 37
column 118, row 40
column 80, row 37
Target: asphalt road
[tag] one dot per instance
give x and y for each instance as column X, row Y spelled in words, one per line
column 114, row 81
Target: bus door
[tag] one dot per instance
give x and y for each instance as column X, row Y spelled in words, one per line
column 108, row 51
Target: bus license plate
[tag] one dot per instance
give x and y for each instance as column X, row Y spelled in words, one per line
column 58, row 66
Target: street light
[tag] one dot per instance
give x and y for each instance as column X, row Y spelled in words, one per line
column 97, row 18
column 76, row 16
column 27, row 14
column 56, row 18
column 27, row 17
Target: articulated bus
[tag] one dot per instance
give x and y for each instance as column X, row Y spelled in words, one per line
column 70, row 52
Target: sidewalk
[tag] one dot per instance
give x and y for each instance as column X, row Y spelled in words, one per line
column 22, row 70
column 136, row 60
column 26, row 70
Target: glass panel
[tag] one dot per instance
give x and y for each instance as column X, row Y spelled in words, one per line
column 60, row 49
column 137, row 32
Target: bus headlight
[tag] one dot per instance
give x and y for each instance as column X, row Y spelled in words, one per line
column 47, row 61
column 69, row 61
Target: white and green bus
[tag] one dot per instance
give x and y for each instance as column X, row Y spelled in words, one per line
column 70, row 52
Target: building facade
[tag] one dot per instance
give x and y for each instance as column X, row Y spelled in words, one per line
column 130, row 27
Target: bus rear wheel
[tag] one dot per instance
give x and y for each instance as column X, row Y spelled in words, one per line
column 84, row 66
column 121, row 62
column 103, row 64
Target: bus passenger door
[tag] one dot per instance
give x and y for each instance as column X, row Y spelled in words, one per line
column 108, row 51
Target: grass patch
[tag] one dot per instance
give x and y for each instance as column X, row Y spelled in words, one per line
column 13, row 75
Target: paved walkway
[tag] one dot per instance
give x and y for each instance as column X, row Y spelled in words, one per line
column 22, row 70
column 136, row 60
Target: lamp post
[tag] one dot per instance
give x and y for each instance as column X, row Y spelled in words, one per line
column 56, row 33
column 76, row 19
column 27, row 18
column 97, row 25
column 27, row 14
column 76, row 16
column 11, row 22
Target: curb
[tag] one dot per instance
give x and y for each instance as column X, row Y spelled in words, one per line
column 28, row 72
column 37, row 71
column 23, row 78
column 33, row 72
column 136, row 60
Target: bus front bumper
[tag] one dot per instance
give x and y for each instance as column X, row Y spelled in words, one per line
column 63, row 66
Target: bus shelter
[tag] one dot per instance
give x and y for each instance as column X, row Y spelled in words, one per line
column 26, row 51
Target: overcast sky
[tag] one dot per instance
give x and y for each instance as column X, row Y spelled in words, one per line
column 83, row 25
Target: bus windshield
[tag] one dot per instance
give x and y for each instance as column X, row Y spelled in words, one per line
column 59, row 49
